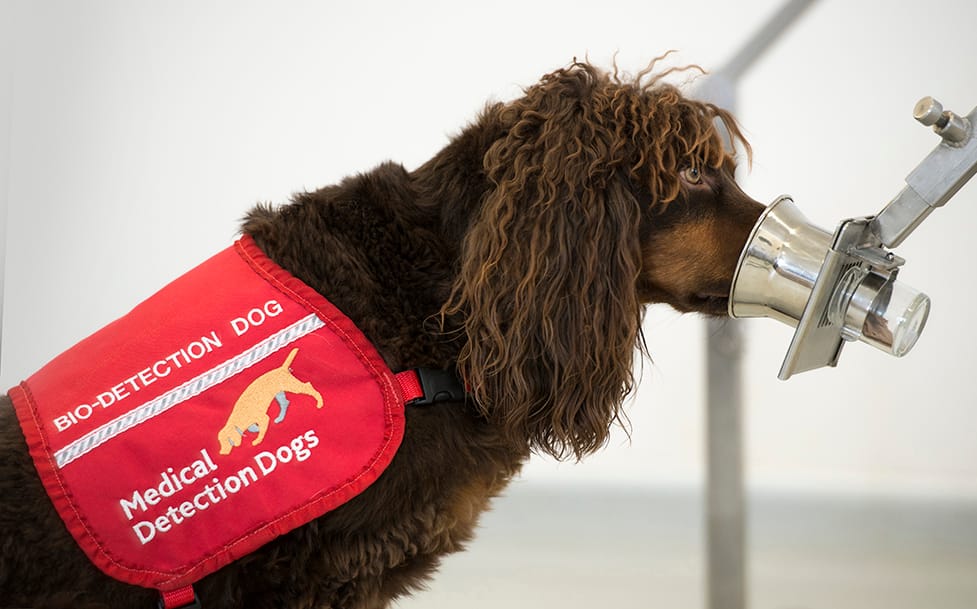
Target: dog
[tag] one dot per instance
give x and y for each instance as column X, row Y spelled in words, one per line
column 250, row 412
column 522, row 256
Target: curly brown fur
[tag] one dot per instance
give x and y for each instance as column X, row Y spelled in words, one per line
column 548, row 270
column 522, row 255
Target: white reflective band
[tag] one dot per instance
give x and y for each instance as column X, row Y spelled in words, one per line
column 187, row 390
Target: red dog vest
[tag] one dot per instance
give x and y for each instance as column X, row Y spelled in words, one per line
column 229, row 408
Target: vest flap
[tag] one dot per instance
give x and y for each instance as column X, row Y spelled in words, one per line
column 229, row 408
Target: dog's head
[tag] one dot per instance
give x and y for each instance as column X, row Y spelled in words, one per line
column 605, row 195
column 691, row 245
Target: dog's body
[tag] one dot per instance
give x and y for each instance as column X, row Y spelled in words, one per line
column 522, row 256
column 250, row 412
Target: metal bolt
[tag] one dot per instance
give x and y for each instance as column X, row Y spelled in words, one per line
column 928, row 111
column 952, row 128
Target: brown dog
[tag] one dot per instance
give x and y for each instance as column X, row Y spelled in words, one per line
column 521, row 255
column 250, row 411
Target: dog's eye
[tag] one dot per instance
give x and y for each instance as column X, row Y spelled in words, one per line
column 692, row 175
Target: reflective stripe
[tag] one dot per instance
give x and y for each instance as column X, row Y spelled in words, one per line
column 187, row 390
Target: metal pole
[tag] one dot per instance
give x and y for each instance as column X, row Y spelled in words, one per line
column 725, row 504
column 726, row 562
column 726, row 555
column 768, row 33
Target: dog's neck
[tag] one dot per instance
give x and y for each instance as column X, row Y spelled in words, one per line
column 452, row 185
column 382, row 259
column 383, row 246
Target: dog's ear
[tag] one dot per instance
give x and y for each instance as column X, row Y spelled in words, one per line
column 547, row 282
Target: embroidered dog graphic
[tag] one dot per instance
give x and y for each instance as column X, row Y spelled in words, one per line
column 251, row 408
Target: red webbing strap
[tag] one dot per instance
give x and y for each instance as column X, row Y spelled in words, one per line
column 410, row 385
column 176, row 599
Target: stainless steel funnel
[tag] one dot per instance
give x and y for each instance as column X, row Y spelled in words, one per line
column 779, row 265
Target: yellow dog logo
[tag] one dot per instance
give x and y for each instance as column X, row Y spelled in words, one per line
column 250, row 411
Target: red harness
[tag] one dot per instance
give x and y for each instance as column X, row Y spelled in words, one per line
column 229, row 408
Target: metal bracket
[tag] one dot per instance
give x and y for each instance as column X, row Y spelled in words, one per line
column 819, row 336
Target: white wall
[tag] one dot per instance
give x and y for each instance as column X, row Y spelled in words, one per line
column 6, row 89
column 141, row 131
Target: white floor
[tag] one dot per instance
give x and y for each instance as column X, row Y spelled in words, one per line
column 546, row 547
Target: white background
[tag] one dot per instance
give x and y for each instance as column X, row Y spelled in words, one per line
column 140, row 132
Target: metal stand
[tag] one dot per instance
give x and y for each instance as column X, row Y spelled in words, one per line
column 725, row 504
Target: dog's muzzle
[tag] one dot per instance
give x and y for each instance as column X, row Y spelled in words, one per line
column 826, row 287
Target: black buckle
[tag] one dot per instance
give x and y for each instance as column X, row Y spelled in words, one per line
column 439, row 386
